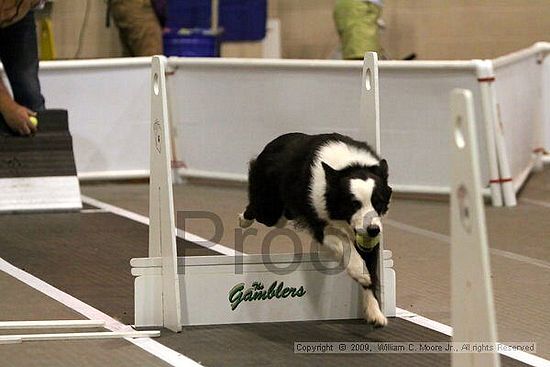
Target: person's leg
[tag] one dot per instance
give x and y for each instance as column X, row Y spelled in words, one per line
column 19, row 55
column 139, row 27
column 356, row 22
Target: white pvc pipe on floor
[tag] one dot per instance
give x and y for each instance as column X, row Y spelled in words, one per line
column 81, row 336
column 491, row 106
column 51, row 324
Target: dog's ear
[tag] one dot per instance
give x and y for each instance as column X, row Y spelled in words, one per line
column 329, row 171
column 383, row 169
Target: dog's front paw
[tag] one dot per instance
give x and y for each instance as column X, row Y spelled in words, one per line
column 371, row 310
column 375, row 317
column 245, row 223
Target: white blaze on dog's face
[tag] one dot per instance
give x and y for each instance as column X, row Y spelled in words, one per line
column 348, row 183
column 362, row 191
column 334, row 156
column 355, row 195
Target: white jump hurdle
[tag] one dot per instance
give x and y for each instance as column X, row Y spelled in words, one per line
column 244, row 289
column 473, row 313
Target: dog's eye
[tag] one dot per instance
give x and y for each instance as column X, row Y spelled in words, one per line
column 356, row 204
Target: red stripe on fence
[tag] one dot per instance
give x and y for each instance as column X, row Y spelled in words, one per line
column 500, row 180
column 486, row 80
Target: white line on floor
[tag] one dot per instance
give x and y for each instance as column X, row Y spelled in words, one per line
column 51, row 324
column 423, row 321
column 523, row 357
column 145, row 220
column 115, row 210
column 541, row 203
column 149, row 345
column 447, row 239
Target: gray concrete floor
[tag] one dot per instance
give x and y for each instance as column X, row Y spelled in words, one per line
column 417, row 232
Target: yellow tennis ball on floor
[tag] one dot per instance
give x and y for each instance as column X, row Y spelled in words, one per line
column 34, row 121
column 366, row 242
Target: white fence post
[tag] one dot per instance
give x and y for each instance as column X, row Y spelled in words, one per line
column 491, row 112
column 485, row 75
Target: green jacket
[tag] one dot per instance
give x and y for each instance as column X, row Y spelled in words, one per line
column 356, row 23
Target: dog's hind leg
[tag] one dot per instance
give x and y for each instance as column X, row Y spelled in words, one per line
column 281, row 223
column 264, row 202
column 246, row 218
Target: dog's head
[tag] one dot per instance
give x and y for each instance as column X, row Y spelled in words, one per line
column 354, row 192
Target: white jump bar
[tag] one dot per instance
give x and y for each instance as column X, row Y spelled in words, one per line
column 79, row 336
column 51, row 324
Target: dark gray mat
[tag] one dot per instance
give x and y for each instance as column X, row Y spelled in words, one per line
column 85, row 255
column 20, row 302
column 537, row 186
column 78, row 353
column 272, row 344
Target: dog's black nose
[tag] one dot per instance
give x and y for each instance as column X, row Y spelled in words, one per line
column 373, row 230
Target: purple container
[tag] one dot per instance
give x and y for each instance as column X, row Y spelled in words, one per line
column 240, row 20
column 192, row 43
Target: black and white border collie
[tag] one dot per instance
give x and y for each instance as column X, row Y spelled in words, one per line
column 326, row 184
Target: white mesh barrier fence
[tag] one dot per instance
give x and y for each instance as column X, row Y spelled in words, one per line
column 519, row 91
column 225, row 110
column 108, row 109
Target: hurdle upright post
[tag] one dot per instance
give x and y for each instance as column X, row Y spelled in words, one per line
column 472, row 308
column 162, row 231
column 370, row 101
column 370, row 125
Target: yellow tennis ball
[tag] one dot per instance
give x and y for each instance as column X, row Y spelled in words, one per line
column 366, row 242
column 34, row 121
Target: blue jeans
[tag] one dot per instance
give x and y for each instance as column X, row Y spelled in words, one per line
column 19, row 56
